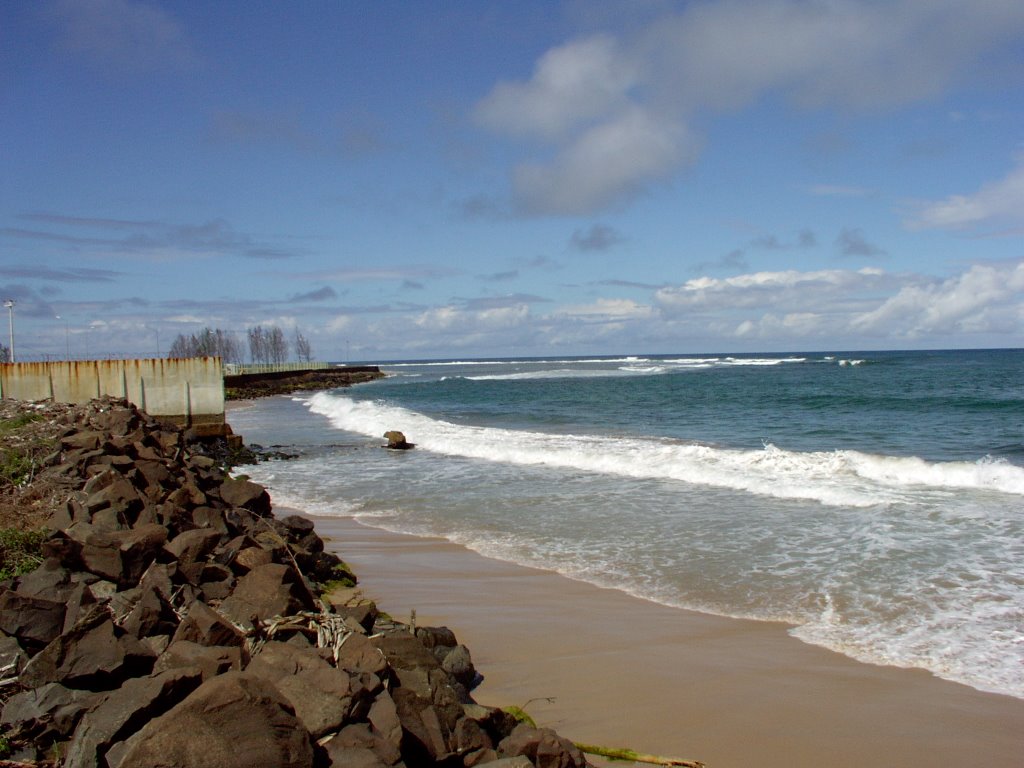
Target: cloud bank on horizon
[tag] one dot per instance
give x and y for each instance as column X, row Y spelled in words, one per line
column 404, row 180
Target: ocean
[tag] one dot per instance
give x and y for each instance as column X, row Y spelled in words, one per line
column 874, row 501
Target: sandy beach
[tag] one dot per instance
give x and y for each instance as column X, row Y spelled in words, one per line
column 626, row 672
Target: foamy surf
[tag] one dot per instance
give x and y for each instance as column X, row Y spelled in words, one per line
column 837, row 478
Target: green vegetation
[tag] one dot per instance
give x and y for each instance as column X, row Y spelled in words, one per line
column 20, row 551
column 17, row 422
column 15, row 467
column 345, row 578
column 17, row 464
column 521, row 715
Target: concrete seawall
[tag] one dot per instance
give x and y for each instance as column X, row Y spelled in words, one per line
column 185, row 391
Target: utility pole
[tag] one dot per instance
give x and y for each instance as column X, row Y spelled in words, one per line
column 67, row 338
column 9, row 303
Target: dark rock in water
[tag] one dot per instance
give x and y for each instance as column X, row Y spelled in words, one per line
column 396, row 440
column 459, row 665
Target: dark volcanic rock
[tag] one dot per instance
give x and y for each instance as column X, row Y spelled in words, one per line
column 234, row 720
column 269, row 590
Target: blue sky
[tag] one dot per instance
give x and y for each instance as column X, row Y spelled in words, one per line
column 416, row 180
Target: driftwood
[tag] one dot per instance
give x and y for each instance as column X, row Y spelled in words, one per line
column 637, row 757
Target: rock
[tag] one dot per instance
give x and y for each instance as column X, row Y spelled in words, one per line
column 432, row 637
column 459, row 665
column 35, row 621
column 194, row 545
column 234, row 720
column 47, row 712
column 12, row 657
column 87, row 656
column 396, row 440
column 321, row 698
column 120, row 556
column 210, row 660
column 358, row 654
column 544, row 747
column 205, row 626
column 364, row 614
column 359, row 745
column 276, row 660
column 267, row 591
column 125, row 711
column 247, row 495
column 424, row 740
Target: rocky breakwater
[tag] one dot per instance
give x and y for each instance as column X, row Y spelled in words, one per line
column 174, row 621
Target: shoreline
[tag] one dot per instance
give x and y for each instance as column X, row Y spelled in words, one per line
column 623, row 671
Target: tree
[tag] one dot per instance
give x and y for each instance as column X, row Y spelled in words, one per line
column 277, row 345
column 5, row 353
column 258, row 345
column 214, row 343
column 303, row 350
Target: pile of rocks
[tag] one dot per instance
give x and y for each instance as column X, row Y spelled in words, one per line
column 176, row 622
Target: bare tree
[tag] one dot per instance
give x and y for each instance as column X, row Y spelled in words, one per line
column 258, row 352
column 277, row 345
column 303, row 350
column 214, row 343
column 5, row 353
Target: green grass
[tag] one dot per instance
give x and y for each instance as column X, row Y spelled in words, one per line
column 20, row 551
column 15, row 467
column 19, row 421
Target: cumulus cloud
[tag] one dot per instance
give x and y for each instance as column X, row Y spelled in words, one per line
column 609, row 162
column 996, row 202
column 571, row 84
column 986, row 298
column 608, row 114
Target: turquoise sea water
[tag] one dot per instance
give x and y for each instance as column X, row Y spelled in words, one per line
column 873, row 500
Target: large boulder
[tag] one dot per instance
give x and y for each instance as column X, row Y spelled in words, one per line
column 267, row 591
column 125, row 711
column 245, row 494
column 234, row 720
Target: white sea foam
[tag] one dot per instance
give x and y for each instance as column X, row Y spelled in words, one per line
column 843, row 478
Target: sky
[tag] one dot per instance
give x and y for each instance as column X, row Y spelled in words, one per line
column 412, row 180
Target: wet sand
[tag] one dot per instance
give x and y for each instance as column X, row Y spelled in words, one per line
column 625, row 672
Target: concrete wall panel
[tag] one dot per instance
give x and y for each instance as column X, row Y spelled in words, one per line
column 188, row 391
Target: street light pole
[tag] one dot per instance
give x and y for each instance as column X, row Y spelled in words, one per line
column 67, row 338
column 9, row 303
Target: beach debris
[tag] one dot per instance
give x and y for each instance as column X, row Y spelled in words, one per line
column 636, row 757
column 396, row 440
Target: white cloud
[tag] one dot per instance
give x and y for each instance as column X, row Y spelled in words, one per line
column 763, row 289
column 451, row 318
column 571, row 84
column 611, row 161
column 611, row 308
column 986, row 298
column 997, row 201
column 614, row 111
